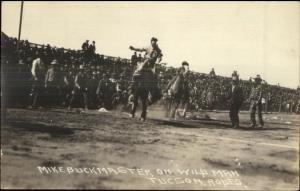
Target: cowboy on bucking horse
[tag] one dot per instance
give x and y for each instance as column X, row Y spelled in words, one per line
column 144, row 77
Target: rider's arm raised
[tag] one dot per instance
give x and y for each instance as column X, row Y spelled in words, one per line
column 138, row 49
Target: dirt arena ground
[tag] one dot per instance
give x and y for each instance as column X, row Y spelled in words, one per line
column 60, row 149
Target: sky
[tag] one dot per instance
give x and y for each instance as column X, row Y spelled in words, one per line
column 250, row 37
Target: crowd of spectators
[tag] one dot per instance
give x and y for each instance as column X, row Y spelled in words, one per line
column 107, row 78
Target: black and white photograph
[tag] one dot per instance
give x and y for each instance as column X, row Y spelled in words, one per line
column 156, row 95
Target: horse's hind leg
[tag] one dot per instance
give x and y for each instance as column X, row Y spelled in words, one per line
column 144, row 109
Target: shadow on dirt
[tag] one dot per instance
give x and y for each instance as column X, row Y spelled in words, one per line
column 53, row 131
column 213, row 124
column 51, row 163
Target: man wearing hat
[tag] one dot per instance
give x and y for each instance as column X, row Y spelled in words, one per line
column 68, row 84
column 255, row 102
column 52, row 83
column 153, row 55
column 134, row 59
column 236, row 100
column 212, row 72
column 85, row 45
column 103, row 92
column 92, row 87
column 80, row 88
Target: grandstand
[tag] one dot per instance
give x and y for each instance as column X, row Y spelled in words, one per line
column 208, row 92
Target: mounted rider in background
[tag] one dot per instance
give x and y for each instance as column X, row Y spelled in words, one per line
column 179, row 91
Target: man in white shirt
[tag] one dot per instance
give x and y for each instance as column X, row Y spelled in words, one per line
column 38, row 76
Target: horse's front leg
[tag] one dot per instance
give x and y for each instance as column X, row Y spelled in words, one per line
column 173, row 110
column 134, row 105
column 185, row 110
column 169, row 107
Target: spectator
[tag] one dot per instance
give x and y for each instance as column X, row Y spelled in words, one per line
column 80, row 89
column 236, row 100
column 103, row 92
column 31, row 60
column 92, row 89
column 235, row 74
column 85, row 46
column 93, row 47
column 140, row 58
column 256, row 102
column 134, row 59
column 52, row 84
column 212, row 72
column 38, row 73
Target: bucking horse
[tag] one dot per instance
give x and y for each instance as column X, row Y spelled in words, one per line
column 145, row 89
column 144, row 82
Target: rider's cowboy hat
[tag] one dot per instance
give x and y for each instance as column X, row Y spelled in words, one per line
column 154, row 39
column 185, row 63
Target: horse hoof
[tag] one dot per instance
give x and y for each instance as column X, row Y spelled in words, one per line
column 142, row 119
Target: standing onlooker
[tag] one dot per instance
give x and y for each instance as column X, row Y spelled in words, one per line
column 92, row 89
column 52, row 84
column 85, row 46
column 80, row 89
column 103, row 92
column 38, row 74
column 91, row 50
column 68, row 84
column 236, row 100
column 255, row 102
column 212, row 72
column 134, row 60
column 140, row 58
column 93, row 47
